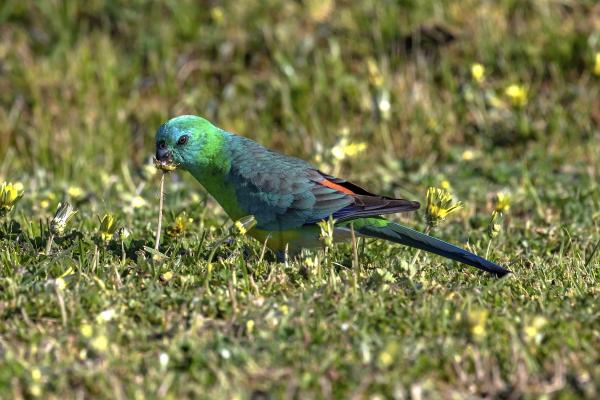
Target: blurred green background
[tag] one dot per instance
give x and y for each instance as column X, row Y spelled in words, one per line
column 482, row 98
column 88, row 83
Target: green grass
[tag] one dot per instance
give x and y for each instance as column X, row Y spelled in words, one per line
column 83, row 89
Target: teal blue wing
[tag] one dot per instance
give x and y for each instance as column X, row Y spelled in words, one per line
column 285, row 192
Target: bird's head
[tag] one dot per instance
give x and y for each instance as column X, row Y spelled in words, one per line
column 180, row 140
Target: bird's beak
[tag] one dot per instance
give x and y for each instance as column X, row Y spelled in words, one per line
column 164, row 155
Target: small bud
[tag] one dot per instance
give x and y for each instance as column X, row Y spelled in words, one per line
column 122, row 234
column 495, row 225
column 64, row 213
column 243, row 225
column 327, row 228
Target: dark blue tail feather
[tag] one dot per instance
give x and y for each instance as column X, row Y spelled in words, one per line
column 401, row 234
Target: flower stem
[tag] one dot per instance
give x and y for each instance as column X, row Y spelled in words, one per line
column 160, row 212
column 49, row 244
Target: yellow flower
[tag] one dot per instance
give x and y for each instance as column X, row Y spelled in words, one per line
column 9, row 195
column 108, row 227
column 517, row 94
column 75, row 192
column 217, row 14
column 100, row 343
column 167, row 276
column 502, row 202
column 468, row 155
column 345, row 148
column 63, row 215
column 164, row 166
column 36, row 374
column 387, row 355
column 477, row 320
column 533, row 329
column 86, row 330
column 179, row 226
column 445, row 184
column 439, row 206
column 243, row 225
column 478, row 72
column 60, row 284
column 250, row 326
column 597, row 64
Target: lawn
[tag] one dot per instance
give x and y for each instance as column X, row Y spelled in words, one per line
column 497, row 103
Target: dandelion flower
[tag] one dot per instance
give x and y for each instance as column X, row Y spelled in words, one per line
column 346, row 148
column 478, row 72
column 217, row 14
column 86, row 330
column 597, row 64
column 468, row 155
column 439, row 206
column 108, row 227
column 477, row 320
column 75, row 192
column 36, row 374
column 64, row 213
column 179, row 226
column 517, row 94
column 164, row 166
column 9, row 195
column 167, row 276
column 502, row 202
column 533, row 330
column 250, row 326
column 445, row 184
column 100, row 343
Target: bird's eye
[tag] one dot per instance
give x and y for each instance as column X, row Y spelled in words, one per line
column 182, row 140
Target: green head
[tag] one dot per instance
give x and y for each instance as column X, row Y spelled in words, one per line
column 185, row 140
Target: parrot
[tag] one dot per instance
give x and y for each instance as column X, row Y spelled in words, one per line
column 288, row 196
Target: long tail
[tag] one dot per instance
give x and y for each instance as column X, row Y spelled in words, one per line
column 388, row 230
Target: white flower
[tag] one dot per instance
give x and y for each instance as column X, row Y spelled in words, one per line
column 225, row 353
column 163, row 360
column 106, row 315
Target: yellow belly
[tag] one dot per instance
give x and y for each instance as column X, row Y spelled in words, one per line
column 294, row 239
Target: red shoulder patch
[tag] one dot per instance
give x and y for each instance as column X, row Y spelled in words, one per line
column 335, row 186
